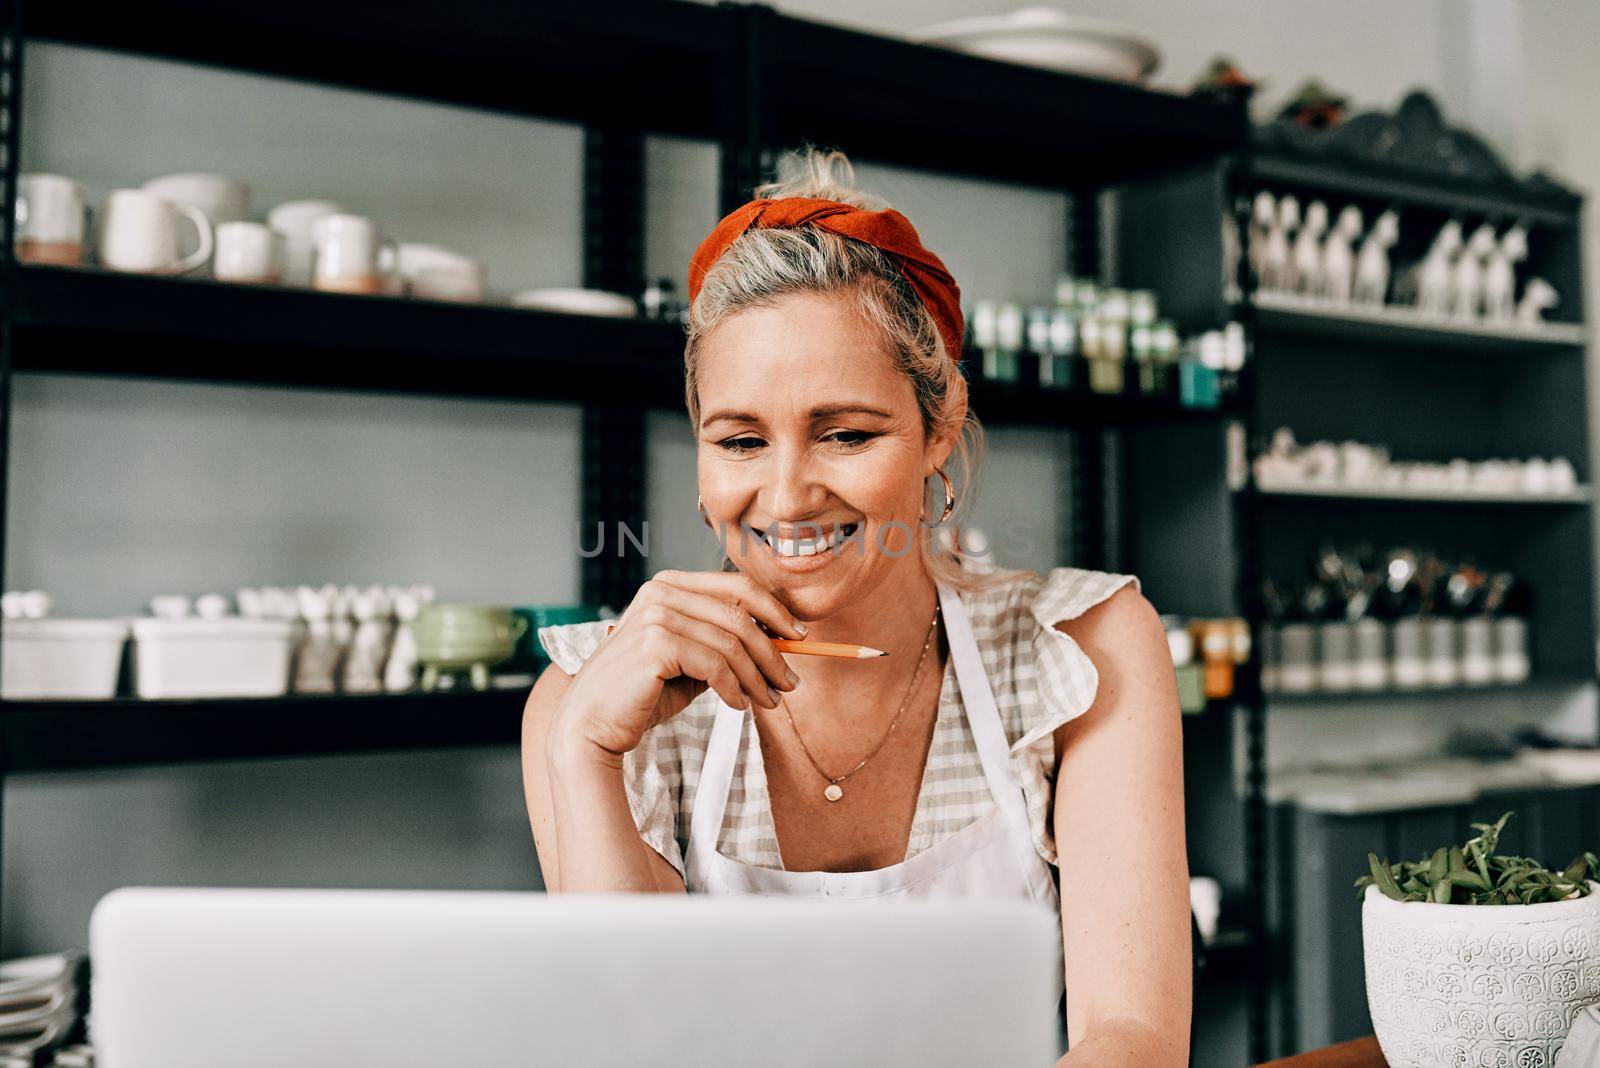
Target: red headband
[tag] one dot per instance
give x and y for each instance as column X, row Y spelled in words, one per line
column 887, row 230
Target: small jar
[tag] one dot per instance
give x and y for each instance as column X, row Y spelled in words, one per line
column 1335, row 658
column 1408, row 663
column 1477, row 651
column 1511, row 658
column 1297, row 663
column 1444, row 663
column 1370, row 666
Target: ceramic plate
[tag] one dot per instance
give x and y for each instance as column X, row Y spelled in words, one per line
column 1048, row 38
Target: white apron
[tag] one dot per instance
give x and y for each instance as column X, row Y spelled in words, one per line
column 992, row 857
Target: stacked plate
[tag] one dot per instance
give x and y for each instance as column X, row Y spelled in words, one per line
column 40, row 1002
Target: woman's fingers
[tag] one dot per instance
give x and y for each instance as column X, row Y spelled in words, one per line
column 735, row 620
column 741, row 591
column 668, row 646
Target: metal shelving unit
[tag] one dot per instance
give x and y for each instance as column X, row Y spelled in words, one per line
column 1431, row 388
column 744, row 77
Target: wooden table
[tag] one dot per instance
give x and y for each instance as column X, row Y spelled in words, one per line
column 1362, row 1053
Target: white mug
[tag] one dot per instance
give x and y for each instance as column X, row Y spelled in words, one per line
column 352, row 256
column 294, row 220
column 139, row 232
column 52, row 216
column 248, row 252
column 223, row 199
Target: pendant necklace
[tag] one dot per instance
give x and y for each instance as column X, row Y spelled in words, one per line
column 834, row 791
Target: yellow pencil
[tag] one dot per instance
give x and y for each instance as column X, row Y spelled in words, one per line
column 840, row 650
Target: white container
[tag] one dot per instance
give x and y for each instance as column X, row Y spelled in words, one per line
column 230, row 657
column 60, row 658
column 1478, row 984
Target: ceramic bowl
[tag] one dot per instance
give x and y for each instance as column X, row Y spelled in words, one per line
column 454, row 636
column 1052, row 39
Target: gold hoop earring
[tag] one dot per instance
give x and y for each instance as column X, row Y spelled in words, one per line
column 700, row 503
column 949, row 499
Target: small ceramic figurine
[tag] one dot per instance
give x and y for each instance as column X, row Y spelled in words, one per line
column 1434, row 275
column 317, row 659
column 1372, row 262
column 1306, row 264
column 1276, row 266
column 363, row 660
column 1466, row 281
column 1499, row 275
column 1337, row 278
column 1538, row 297
column 1263, row 217
column 400, row 670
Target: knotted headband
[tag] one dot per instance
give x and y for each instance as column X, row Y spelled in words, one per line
column 887, row 230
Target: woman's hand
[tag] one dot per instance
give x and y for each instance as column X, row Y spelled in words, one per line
column 685, row 631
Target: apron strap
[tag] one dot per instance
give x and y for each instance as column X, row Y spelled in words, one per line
column 711, row 796
column 983, row 718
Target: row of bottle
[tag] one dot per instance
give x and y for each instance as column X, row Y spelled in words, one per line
column 1088, row 340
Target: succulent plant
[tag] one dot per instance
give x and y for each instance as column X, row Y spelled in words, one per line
column 1474, row 874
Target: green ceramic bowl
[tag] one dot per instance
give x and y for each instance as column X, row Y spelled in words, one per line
column 455, row 636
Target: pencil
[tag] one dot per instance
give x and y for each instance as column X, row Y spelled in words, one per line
column 840, row 650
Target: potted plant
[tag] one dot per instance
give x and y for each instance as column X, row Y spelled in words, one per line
column 1478, row 958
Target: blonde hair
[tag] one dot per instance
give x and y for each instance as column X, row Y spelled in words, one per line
column 763, row 265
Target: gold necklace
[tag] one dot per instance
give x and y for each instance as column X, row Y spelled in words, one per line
column 833, row 791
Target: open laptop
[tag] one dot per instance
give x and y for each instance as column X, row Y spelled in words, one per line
column 324, row 978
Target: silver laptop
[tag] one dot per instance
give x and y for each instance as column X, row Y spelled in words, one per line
column 324, row 978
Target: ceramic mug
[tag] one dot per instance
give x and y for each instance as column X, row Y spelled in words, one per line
column 223, row 199
column 350, row 255
column 52, row 217
column 294, row 220
column 248, row 252
column 140, row 232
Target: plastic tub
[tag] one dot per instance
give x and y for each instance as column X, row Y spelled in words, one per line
column 60, row 658
column 230, row 657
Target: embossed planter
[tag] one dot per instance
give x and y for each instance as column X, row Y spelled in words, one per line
column 1478, row 986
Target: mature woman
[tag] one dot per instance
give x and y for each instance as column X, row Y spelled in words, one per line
column 1023, row 733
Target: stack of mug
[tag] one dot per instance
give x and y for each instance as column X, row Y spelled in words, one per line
column 200, row 224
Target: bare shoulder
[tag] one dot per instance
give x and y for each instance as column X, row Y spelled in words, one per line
column 1124, row 638
column 1124, row 624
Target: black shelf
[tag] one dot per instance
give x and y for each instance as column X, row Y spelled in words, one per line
column 1003, row 403
column 98, row 322
column 80, row 735
column 1404, row 329
column 1312, row 496
column 918, row 106
column 1372, row 180
column 629, row 63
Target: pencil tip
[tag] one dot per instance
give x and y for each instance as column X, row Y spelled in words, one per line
column 868, row 652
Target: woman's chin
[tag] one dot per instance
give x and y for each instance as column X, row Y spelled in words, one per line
column 814, row 586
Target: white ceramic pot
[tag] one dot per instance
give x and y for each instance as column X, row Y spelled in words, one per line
column 1496, row 986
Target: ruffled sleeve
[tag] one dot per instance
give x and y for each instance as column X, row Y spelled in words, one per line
column 652, row 773
column 1064, row 685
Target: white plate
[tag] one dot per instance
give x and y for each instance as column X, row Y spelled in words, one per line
column 1052, row 39
column 577, row 301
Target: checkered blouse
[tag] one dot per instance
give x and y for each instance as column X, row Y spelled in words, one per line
column 1040, row 677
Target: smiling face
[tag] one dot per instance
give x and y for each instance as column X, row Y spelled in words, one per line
column 809, row 432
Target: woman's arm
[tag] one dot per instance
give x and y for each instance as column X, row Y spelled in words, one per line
column 1119, row 829
column 582, row 828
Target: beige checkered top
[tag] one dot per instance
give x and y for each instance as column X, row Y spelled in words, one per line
column 1040, row 678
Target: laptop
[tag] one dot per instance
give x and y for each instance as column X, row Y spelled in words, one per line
column 325, row 978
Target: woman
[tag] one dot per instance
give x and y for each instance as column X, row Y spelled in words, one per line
column 1020, row 723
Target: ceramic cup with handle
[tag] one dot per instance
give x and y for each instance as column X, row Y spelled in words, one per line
column 223, row 199
column 351, row 255
column 52, row 219
column 248, row 252
column 142, row 232
column 294, row 220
